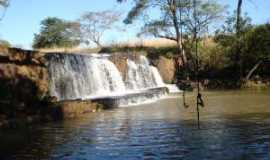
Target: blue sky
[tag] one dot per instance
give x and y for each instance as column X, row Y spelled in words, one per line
column 23, row 17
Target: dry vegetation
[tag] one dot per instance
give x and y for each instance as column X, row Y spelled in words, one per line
column 155, row 43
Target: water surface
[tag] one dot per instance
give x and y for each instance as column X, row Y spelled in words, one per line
column 235, row 125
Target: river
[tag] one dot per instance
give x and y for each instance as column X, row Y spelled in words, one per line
column 234, row 125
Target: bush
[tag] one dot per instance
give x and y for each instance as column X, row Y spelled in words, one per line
column 55, row 33
column 257, row 43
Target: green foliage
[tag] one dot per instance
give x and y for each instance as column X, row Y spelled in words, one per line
column 257, row 42
column 256, row 45
column 152, row 52
column 140, row 6
column 177, row 19
column 56, row 32
column 4, row 3
column 229, row 27
column 170, row 22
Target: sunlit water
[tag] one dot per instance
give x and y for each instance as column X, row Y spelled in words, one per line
column 235, row 125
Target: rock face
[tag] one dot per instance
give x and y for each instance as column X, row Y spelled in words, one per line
column 23, row 83
column 19, row 56
column 72, row 109
column 23, row 76
column 166, row 68
column 120, row 61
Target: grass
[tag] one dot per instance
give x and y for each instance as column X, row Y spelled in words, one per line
column 133, row 45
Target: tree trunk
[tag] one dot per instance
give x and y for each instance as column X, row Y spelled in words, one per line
column 253, row 70
column 238, row 49
column 172, row 4
column 239, row 8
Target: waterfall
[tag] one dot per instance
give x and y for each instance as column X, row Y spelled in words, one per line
column 84, row 77
column 142, row 75
column 158, row 79
column 80, row 77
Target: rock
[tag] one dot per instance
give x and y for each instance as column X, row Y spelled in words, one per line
column 166, row 69
column 73, row 109
column 121, row 63
column 3, row 51
column 52, row 99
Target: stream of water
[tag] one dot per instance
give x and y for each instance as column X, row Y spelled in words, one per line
column 74, row 76
column 235, row 125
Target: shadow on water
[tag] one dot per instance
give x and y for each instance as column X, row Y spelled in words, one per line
column 235, row 125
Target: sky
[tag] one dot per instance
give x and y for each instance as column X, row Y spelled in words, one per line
column 23, row 17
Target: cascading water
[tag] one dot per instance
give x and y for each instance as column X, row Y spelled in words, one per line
column 142, row 75
column 80, row 77
column 87, row 77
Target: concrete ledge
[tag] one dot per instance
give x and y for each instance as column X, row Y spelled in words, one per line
column 115, row 101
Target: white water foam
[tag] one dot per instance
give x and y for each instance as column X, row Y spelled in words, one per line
column 95, row 76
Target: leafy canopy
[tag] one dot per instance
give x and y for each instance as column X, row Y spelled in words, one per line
column 4, row 3
column 175, row 15
column 56, row 32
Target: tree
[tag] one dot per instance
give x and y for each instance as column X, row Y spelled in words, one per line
column 94, row 24
column 4, row 3
column 238, row 15
column 229, row 27
column 56, row 32
column 256, row 45
column 176, row 19
column 237, row 54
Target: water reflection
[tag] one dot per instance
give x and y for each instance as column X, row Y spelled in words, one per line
column 235, row 125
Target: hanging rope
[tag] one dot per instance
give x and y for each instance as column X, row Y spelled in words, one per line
column 199, row 99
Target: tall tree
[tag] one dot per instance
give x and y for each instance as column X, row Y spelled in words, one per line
column 56, row 32
column 238, row 14
column 94, row 24
column 238, row 50
column 229, row 27
column 176, row 18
